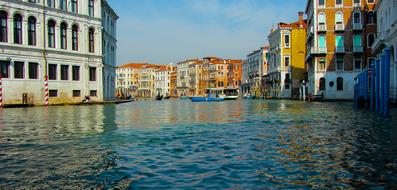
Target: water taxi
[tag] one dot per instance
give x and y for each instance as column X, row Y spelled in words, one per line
column 226, row 93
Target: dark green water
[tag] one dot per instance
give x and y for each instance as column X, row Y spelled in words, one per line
column 183, row 145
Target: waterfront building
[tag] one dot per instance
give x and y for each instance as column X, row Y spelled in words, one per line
column 163, row 80
column 286, row 59
column 340, row 35
column 234, row 73
column 146, row 81
column 183, row 78
column 58, row 40
column 216, row 71
column 195, row 71
column 127, row 79
column 254, row 68
column 173, row 82
column 386, row 11
column 109, row 43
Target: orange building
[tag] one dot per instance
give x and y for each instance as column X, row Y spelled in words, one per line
column 235, row 72
column 173, row 83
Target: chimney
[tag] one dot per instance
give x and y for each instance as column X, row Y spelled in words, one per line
column 300, row 18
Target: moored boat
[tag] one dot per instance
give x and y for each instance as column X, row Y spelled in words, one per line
column 206, row 99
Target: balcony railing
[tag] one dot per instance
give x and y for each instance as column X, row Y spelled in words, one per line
column 340, row 49
column 339, row 27
column 318, row 50
column 322, row 28
column 357, row 49
column 357, row 26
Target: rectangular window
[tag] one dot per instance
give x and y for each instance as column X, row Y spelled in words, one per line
column 19, row 70
column 76, row 93
column 287, row 40
column 357, row 63
column 321, row 2
column 62, row 5
column 53, row 93
column 33, row 70
column 339, row 3
column 74, row 7
column 92, row 73
column 64, row 72
column 51, row 3
column 370, row 1
column 93, row 93
column 52, row 72
column 91, row 8
column 286, row 61
column 339, row 64
column 357, row 2
column 5, row 69
column 76, row 73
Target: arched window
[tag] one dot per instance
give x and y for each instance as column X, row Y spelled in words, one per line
column 321, row 65
column 91, row 38
column 371, row 39
column 64, row 35
column 321, row 41
column 339, row 84
column 357, row 17
column 322, row 84
column 32, row 31
column 357, row 40
column 339, row 41
column 321, row 19
column 3, row 26
column 339, row 18
column 17, row 29
column 75, row 38
column 51, row 34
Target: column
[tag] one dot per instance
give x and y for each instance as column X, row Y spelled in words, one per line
column 25, row 31
column 377, row 92
column 387, row 82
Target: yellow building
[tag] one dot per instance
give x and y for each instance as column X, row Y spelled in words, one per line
column 286, row 59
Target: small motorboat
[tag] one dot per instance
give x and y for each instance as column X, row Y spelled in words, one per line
column 184, row 97
column 206, row 99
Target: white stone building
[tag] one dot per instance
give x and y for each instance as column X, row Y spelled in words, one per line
column 61, row 39
column 386, row 12
column 147, row 82
column 183, row 78
column 109, row 20
column 254, row 68
column 163, row 80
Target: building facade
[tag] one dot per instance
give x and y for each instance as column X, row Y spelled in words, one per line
column 234, row 73
column 163, row 80
column 109, row 48
column 55, row 39
column 286, row 59
column 387, row 38
column 183, row 78
column 339, row 40
column 127, row 79
column 254, row 68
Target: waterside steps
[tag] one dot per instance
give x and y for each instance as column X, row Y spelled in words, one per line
column 372, row 86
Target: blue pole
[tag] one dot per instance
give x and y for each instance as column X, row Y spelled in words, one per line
column 372, row 84
column 377, row 77
column 366, row 88
column 382, row 82
column 387, row 82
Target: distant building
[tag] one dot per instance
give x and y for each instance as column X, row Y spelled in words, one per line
column 183, row 78
column 234, row 73
column 216, row 72
column 163, row 80
column 254, row 69
column 286, row 59
column 339, row 40
column 173, row 82
column 127, row 79
column 195, row 73
column 386, row 14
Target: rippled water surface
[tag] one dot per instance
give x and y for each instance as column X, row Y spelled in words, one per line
column 182, row 145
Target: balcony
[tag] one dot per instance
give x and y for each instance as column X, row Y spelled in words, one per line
column 339, row 27
column 318, row 50
column 357, row 26
column 340, row 49
column 358, row 49
column 322, row 28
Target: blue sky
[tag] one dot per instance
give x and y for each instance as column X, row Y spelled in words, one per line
column 165, row 31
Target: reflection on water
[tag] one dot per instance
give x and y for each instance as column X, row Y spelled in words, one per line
column 183, row 145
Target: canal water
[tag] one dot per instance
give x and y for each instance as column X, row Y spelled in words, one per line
column 177, row 144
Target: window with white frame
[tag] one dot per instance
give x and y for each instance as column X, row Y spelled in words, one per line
column 321, row 3
column 287, row 40
column 321, row 65
column 286, row 61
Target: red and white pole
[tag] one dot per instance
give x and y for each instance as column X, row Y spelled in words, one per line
column 46, row 90
column 1, row 91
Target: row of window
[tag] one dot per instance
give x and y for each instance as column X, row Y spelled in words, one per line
column 33, row 71
column 371, row 18
column 75, row 93
column 32, row 33
column 339, row 84
column 63, row 5
column 340, row 3
column 339, row 63
column 339, row 41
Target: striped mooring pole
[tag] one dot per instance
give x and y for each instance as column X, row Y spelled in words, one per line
column 1, row 91
column 46, row 90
